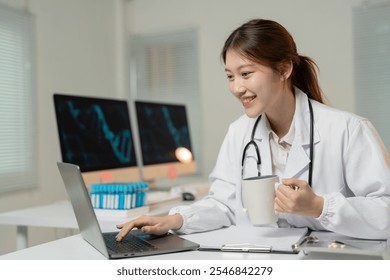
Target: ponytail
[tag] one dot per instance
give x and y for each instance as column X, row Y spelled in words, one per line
column 304, row 77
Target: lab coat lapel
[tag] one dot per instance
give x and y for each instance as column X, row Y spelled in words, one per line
column 298, row 160
column 299, row 157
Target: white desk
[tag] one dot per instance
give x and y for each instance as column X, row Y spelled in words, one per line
column 75, row 254
column 56, row 215
column 75, row 248
column 60, row 215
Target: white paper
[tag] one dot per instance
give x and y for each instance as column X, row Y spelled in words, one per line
column 279, row 239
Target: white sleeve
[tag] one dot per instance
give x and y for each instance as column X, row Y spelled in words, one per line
column 366, row 214
column 216, row 210
column 208, row 213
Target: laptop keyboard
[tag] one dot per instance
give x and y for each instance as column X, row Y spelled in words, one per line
column 129, row 244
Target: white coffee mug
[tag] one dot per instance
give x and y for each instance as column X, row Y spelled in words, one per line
column 258, row 195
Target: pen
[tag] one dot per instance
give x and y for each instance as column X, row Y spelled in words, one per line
column 244, row 247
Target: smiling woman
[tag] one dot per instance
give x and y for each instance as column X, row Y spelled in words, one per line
column 17, row 116
column 324, row 153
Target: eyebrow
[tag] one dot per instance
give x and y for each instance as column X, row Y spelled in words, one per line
column 240, row 67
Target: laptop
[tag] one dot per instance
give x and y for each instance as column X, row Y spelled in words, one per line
column 136, row 244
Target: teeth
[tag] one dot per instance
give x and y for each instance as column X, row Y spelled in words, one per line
column 248, row 99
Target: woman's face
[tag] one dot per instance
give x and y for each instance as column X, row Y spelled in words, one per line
column 259, row 88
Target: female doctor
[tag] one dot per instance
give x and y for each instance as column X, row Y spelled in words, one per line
column 336, row 160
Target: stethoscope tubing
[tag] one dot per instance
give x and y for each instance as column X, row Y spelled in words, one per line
column 257, row 150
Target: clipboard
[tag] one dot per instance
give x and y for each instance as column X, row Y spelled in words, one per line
column 328, row 242
column 250, row 239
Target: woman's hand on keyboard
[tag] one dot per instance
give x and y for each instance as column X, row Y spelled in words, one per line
column 151, row 225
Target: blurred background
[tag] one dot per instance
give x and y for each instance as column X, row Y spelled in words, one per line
column 169, row 50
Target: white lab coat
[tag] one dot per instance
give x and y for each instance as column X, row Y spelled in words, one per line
column 351, row 171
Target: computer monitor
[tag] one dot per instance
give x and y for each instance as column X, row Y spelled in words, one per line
column 95, row 134
column 165, row 140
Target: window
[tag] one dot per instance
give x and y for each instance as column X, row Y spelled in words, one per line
column 17, row 118
column 371, row 24
column 165, row 69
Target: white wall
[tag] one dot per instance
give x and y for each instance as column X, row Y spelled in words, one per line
column 81, row 48
column 76, row 50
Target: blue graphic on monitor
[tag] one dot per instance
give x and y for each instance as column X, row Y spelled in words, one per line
column 94, row 133
column 162, row 129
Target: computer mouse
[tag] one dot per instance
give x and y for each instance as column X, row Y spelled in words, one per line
column 187, row 196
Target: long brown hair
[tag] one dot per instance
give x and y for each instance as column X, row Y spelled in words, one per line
column 269, row 43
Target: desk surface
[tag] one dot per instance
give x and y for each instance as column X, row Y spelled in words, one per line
column 58, row 215
column 75, row 248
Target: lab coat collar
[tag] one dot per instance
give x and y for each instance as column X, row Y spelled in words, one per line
column 300, row 151
column 299, row 157
column 301, row 122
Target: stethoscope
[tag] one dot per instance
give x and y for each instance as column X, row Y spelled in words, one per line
column 252, row 142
